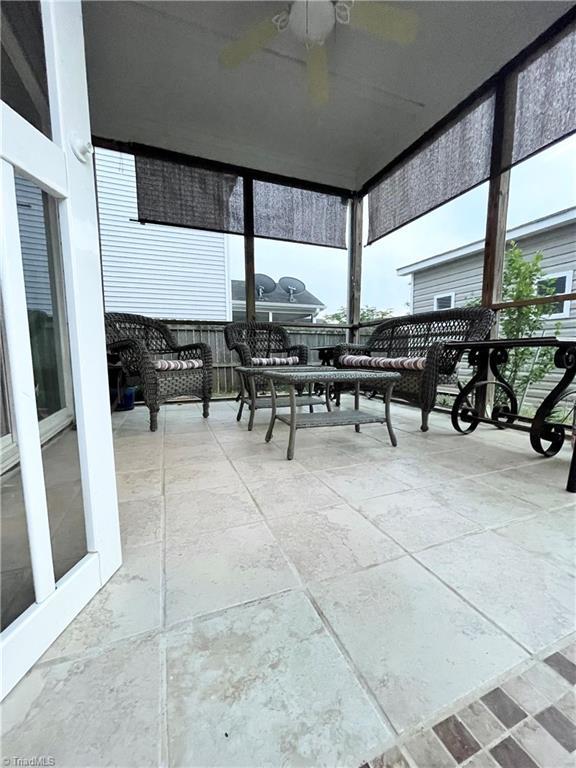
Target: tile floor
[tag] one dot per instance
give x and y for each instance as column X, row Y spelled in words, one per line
column 361, row 605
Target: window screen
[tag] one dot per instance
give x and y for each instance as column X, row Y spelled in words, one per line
column 546, row 97
column 299, row 215
column 176, row 194
column 556, row 284
column 444, row 302
column 451, row 163
column 186, row 196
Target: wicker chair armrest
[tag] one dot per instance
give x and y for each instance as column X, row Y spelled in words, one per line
column 243, row 351
column 195, row 351
column 133, row 355
column 300, row 351
column 434, row 360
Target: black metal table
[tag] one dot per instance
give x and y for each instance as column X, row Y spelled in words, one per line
column 326, row 353
column 546, row 436
column 302, row 377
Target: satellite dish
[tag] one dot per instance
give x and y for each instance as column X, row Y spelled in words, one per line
column 264, row 285
column 292, row 286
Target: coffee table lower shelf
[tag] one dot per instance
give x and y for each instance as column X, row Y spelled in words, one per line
column 332, row 418
column 342, row 418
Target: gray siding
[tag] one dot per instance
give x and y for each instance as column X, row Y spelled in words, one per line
column 151, row 269
column 464, row 277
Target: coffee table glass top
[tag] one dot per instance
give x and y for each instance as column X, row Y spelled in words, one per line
column 304, row 375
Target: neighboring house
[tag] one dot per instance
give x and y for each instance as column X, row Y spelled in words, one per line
column 151, row 269
column 277, row 306
column 453, row 278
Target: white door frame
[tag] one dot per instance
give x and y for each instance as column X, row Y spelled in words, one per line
column 63, row 168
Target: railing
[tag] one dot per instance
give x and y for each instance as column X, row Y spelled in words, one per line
column 212, row 333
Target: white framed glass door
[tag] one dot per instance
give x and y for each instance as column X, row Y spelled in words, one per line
column 60, row 534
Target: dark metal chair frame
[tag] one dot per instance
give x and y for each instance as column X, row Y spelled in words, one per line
column 424, row 335
column 138, row 341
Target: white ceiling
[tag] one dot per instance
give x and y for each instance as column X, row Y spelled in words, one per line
column 154, row 77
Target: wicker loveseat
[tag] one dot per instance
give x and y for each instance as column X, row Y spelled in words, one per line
column 414, row 346
column 152, row 360
column 263, row 344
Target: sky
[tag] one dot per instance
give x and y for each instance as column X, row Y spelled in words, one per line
column 539, row 186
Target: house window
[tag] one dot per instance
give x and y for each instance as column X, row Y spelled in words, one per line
column 444, row 301
column 556, row 283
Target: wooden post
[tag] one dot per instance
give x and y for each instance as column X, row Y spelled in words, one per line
column 354, row 265
column 502, row 140
column 249, row 270
column 496, row 217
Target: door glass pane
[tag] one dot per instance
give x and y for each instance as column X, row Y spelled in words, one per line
column 23, row 66
column 44, row 284
column 42, row 300
column 17, row 589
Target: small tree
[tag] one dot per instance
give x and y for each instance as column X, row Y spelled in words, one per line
column 340, row 317
column 524, row 279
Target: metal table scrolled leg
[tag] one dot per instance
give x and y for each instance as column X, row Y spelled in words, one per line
column 541, row 429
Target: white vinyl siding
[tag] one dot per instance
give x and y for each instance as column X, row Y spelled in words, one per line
column 155, row 270
column 33, row 239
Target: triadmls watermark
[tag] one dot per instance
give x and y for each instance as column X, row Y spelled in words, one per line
column 36, row 761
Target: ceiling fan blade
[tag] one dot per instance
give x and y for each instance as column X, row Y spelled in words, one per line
column 233, row 54
column 317, row 71
column 385, row 21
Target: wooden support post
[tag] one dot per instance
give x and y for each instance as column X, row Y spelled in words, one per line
column 249, row 269
column 502, row 139
column 497, row 212
column 354, row 265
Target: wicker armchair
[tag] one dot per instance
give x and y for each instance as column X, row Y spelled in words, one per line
column 262, row 340
column 415, row 346
column 152, row 360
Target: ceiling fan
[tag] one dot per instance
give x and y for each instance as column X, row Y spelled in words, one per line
column 312, row 22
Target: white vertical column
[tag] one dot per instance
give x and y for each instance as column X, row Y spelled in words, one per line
column 21, row 377
column 64, row 43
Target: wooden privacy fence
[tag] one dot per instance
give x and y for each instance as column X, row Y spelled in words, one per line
column 212, row 333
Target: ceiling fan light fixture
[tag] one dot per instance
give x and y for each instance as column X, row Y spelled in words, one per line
column 312, row 22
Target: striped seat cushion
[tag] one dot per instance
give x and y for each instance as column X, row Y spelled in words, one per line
column 386, row 363
column 256, row 361
column 177, row 365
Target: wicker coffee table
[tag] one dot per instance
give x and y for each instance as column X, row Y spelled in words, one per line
column 296, row 379
column 249, row 377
